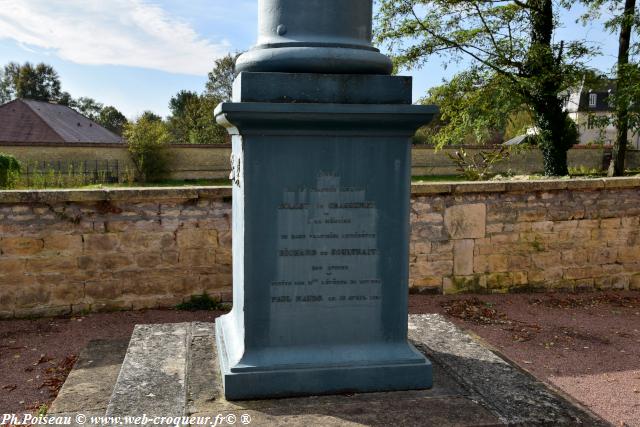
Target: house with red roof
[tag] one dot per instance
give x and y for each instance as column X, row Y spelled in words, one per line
column 28, row 121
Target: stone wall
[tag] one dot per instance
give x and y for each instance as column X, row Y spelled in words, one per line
column 526, row 236
column 76, row 250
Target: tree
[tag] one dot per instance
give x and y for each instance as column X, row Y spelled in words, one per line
column 66, row 99
column 178, row 104
column 112, row 119
column 10, row 169
column 206, row 129
column 183, row 108
column 88, row 107
column 475, row 108
column 192, row 119
column 40, row 82
column 509, row 39
column 624, row 18
column 150, row 116
column 147, row 141
column 220, row 83
column 6, row 93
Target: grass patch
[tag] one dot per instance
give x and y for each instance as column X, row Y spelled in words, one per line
column 420, row 179
column 203, row 302
column 437, row 178
column 168, row 183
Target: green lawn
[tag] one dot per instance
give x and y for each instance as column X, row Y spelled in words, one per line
column 167, row 183
column 226, row 183
column 437, row 178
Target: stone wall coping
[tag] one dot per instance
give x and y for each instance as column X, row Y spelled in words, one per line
column 456, row 187
column 113, row 194
column 118, row 145
column 211, row 192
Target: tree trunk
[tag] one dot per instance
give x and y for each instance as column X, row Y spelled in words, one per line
column 555, row 161
column 544, row 71
column 617, row 166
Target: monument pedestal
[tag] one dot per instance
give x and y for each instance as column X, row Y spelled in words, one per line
column 320, row 241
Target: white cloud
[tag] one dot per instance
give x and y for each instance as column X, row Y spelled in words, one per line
column 115, row 32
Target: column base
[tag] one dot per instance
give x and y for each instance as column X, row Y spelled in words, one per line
column 318, row 380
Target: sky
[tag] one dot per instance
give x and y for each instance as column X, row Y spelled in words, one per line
column 137, row 54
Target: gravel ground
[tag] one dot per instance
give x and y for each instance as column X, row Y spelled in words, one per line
column 36, row 355
column 586, row 345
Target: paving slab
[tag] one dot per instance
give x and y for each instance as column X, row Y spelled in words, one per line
column 89, row 385
column 515, row 396
column 473, row 386
column 152, row 378
column 446, row 404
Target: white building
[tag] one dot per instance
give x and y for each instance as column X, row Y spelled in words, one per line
column 584, row 103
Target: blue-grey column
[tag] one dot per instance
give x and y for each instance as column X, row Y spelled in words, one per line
column 321, row 189
column 317, row 36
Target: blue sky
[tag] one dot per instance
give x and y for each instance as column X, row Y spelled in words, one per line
column 136, row 54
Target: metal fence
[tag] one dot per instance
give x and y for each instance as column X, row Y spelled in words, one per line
column 62, row 173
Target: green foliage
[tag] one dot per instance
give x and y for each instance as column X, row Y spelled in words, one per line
column 88, row 107
column 42, row 410
column 614, row 11
column 180, row 102
column 475, row 108
column 150, row 116
column 112, row 119
column 40, row 82
column 584, row 171
column 202, row 302
column 479, row 167
column 109, row 116
column 512, row 41
column 220, row 82
column 66, row 99
column 9, row 171
column 147, row 139
column 192, row 120
column 518, row 124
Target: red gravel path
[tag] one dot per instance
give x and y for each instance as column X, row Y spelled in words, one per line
column 586, row 345
column 32, row 351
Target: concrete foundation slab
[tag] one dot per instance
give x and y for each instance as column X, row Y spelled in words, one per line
column 473, row 386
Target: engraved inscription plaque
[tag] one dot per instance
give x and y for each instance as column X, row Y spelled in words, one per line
column 327, row 256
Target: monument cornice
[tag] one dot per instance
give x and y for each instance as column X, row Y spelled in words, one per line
column 310, row 119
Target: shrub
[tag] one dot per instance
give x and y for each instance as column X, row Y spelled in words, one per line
column 479, row 166
column 203, row 302
column 147, row 140
column 9, row 171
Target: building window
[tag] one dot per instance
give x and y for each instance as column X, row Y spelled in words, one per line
column 593, row 99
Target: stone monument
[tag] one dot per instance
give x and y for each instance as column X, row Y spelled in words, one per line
column 321, row 187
